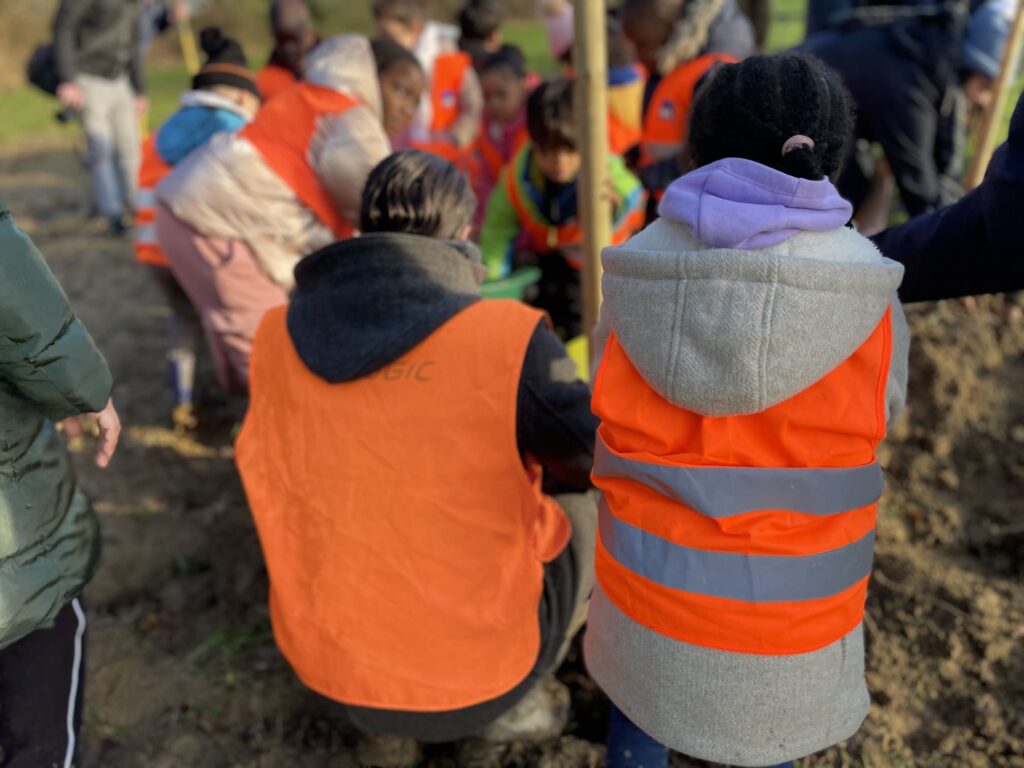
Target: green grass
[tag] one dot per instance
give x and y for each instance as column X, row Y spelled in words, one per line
column 26, row 113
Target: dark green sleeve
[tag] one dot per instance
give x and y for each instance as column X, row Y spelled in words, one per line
column 46, row 354
column 65, row 32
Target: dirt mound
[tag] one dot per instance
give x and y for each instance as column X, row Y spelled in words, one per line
column 182, row 669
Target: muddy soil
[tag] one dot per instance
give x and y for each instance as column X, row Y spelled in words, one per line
column 182, row 670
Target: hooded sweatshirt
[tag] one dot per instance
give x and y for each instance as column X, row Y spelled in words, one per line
column 360, row 305
column 748, row 290
column 227, row 190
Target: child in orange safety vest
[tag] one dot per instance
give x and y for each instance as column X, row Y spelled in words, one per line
column 448, row 120
column 506, row 86
column 678, row 43
column 534, row 211
column 223, row 99
column 294, row 37
column 754, row 354
column 402, row 437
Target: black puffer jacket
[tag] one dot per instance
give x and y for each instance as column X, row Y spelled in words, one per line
column 98, row 37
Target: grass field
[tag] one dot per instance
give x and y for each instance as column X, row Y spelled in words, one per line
column 27, row 113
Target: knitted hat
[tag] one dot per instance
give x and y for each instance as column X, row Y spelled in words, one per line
column 225, row 63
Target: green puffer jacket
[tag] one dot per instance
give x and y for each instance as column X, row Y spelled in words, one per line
column 49, row 370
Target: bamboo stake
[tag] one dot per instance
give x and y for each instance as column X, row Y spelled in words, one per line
column 991, row 119
column 591, row 68
column 189, row 52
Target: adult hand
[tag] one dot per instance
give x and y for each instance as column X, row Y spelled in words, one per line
column 71, row 96
column 141, row 106
column 106, row 425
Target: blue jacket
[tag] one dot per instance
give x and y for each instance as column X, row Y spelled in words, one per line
column 972, row 246
column 202, row 115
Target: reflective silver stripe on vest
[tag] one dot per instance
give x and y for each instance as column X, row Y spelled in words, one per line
column 752, row 578
column 145, row 198
column 146, row 235
column 727, row 491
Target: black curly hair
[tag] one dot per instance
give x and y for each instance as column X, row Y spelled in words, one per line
column 417, row 193
column 750, row 109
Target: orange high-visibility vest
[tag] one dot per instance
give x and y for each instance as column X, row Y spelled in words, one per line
column 450, row 70
column 404, row 537
column 282, row 132
column 545, row 237
column 272, row 80
column 666, row 121
column 621, row 136
column 491, row 155
column 151, row 171
column 752, row 534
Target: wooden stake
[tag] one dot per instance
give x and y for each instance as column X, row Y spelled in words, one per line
column 189, row 52
column 591, row 69
column 991, row 119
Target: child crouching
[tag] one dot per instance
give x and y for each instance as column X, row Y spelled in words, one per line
column 393, row 456
column 535, row 202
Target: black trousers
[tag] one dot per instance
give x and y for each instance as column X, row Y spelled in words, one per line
column 41, row 684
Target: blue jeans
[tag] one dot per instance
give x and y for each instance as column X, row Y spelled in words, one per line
column 630, row 747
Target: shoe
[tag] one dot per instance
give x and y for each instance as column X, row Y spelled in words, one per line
column 542, row 714
column 117, row 226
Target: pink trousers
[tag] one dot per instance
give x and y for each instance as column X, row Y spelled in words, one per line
column 228, row 289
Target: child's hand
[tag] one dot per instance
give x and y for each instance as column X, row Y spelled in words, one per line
column 105, row 425
column 608, row 193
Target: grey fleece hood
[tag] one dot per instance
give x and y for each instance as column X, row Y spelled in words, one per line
column 727, row 331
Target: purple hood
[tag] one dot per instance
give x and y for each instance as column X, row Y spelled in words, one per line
column 735, row 203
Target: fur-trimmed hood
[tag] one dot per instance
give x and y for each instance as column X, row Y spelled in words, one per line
column 707, row 26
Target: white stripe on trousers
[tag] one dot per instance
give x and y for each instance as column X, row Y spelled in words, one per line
column 76, row 667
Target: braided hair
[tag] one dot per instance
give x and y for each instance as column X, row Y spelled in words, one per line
column 749, row 110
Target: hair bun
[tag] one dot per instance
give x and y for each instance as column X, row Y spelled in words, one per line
column 211, row 40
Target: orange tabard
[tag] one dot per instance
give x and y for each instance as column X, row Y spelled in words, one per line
column 151, row 172
column 666, row 121
column 272, row 80
column 282, row 132
column 804, row 558
column 404, row 537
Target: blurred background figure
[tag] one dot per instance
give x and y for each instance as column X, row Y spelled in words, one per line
column 937, row 61
column 294, row 37
column 98, row 57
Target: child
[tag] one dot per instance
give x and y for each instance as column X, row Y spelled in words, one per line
column 505, row 84
column 431, row 625
column 536, row 198
column 480, row 30
column 755, row 354
column 678, row 43
column 237, row 215
column 448, row 120
column 49, row 534
column 224, row 97
column 294, row 38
